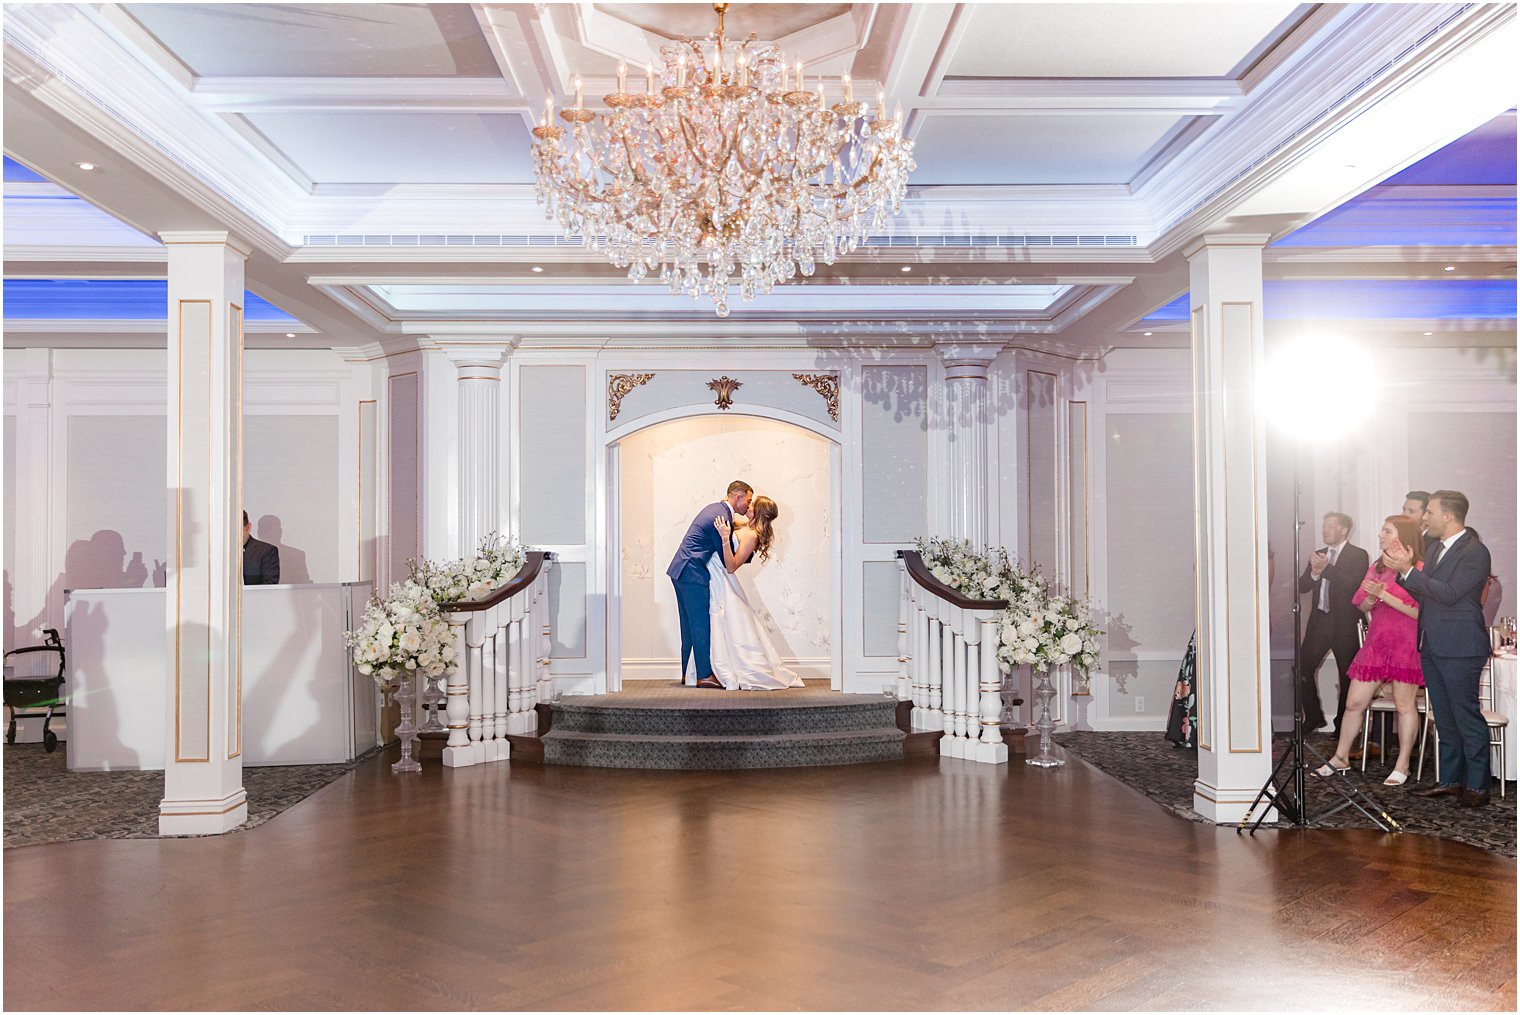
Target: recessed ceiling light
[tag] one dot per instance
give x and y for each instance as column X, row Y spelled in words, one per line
column 290, row 334
column 1148, row 334
column 537, row 268
column 907, row 267
column 1429, row 333
column 1450, row 267
column 88, row 167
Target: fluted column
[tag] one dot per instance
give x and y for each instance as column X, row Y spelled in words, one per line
column 1229, row 492
column 966, row 401
column 203, row 758
column 480, row 453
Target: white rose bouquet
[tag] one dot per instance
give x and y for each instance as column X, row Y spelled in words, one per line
column 987, row 574
column 495, row 563
column 1045, row 631
column 401, row 634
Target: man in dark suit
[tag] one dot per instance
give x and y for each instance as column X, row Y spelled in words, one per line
column 688, row 572
column 261, row 561
column 1453, row 643
column 1334, row 574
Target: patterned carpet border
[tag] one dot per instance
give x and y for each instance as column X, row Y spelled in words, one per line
column 1150, row 765
column 45, row 802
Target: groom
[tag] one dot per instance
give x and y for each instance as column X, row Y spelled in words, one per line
column 688, row 571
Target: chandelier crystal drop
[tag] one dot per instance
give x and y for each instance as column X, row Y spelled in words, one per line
column 730, row 168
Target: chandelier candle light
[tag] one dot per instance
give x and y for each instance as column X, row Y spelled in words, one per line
column 726, row 165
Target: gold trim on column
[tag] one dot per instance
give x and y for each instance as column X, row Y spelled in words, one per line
column 826, row 385
column 1255, row 528
column 179, row 538
column 1085, row 690
column 236, row 418
column 1199, row 495
column 619, row 387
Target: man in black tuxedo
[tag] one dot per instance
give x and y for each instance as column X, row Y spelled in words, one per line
column 261, row 561
column 1334, row 574
column 1453, row 643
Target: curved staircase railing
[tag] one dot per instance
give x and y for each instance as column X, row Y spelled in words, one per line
column 947, row 663
column 503, row 643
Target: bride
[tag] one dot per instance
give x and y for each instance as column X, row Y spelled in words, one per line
column 743, row 658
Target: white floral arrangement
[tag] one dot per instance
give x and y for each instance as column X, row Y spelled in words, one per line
column 401, row 634
column 976, row 575
column 406, row 631
column 1044, row 635
column 1039, row 629
column 493, row 564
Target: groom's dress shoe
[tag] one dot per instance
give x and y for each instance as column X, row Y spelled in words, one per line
column 1440, row 791
column 1473, row 798
column 712, row 682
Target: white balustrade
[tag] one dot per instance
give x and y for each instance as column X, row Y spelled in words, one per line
column 504, row 668
column 948, row 665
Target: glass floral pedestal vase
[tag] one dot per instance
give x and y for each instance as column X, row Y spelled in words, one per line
column 406, row 731
column 1043, row 692
column 433, row 697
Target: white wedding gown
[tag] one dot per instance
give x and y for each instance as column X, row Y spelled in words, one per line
column 743, row 658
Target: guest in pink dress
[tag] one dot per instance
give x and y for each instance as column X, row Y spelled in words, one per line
column 1390, row 654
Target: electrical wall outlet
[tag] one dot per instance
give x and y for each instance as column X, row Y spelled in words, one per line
column 1139, row 704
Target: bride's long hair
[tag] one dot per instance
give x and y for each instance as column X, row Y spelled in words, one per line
column 762, row 513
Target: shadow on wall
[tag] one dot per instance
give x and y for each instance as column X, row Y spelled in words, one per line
column 293, row 569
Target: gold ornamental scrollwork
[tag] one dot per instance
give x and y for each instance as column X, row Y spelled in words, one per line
column 826, row 385
column 725, row 387
column 618, row 387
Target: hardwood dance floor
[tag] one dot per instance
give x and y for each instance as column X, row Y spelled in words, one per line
column 920, row 885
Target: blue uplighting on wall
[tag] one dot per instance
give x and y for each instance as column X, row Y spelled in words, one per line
column 15, row 172
column 113, row 300
column 1362, row 300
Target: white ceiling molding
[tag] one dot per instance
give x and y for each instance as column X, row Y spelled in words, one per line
column 67, row 58
column 241, row 95
column 1370, row 53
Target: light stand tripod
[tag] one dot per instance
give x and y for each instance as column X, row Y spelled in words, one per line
column 1286, row 794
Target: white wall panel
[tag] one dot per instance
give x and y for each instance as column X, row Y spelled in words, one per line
column 114, row 527
column 883, row 593
column 368, row 481
column 894, row 453
column 403, row 507
column 291, row 491
column 1474, row 454
column 1151, row 588
column 567, row 604
column 1042, row 490
column 552, row 488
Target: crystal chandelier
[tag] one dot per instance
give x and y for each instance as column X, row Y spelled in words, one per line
column 726, row 170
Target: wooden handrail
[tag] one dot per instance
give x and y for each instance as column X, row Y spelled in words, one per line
column 921, row 574
column 532, row 565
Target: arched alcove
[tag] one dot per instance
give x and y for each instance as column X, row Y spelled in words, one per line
column 661, row 475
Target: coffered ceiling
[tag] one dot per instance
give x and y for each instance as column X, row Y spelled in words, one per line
column 377, row 156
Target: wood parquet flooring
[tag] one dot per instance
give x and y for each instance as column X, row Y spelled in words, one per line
column 926, row 884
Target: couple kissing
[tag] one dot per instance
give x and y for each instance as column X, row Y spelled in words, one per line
column 723, row 645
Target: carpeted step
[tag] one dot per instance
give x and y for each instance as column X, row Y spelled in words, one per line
column 853, row 712
column 790, row 750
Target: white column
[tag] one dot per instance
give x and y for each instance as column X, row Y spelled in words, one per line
column 203, row 763
column 1230, row 504
column 967, row 417
column 480, row 462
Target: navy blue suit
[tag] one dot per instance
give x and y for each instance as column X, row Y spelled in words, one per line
column 1453, row 649
column 688, row 571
